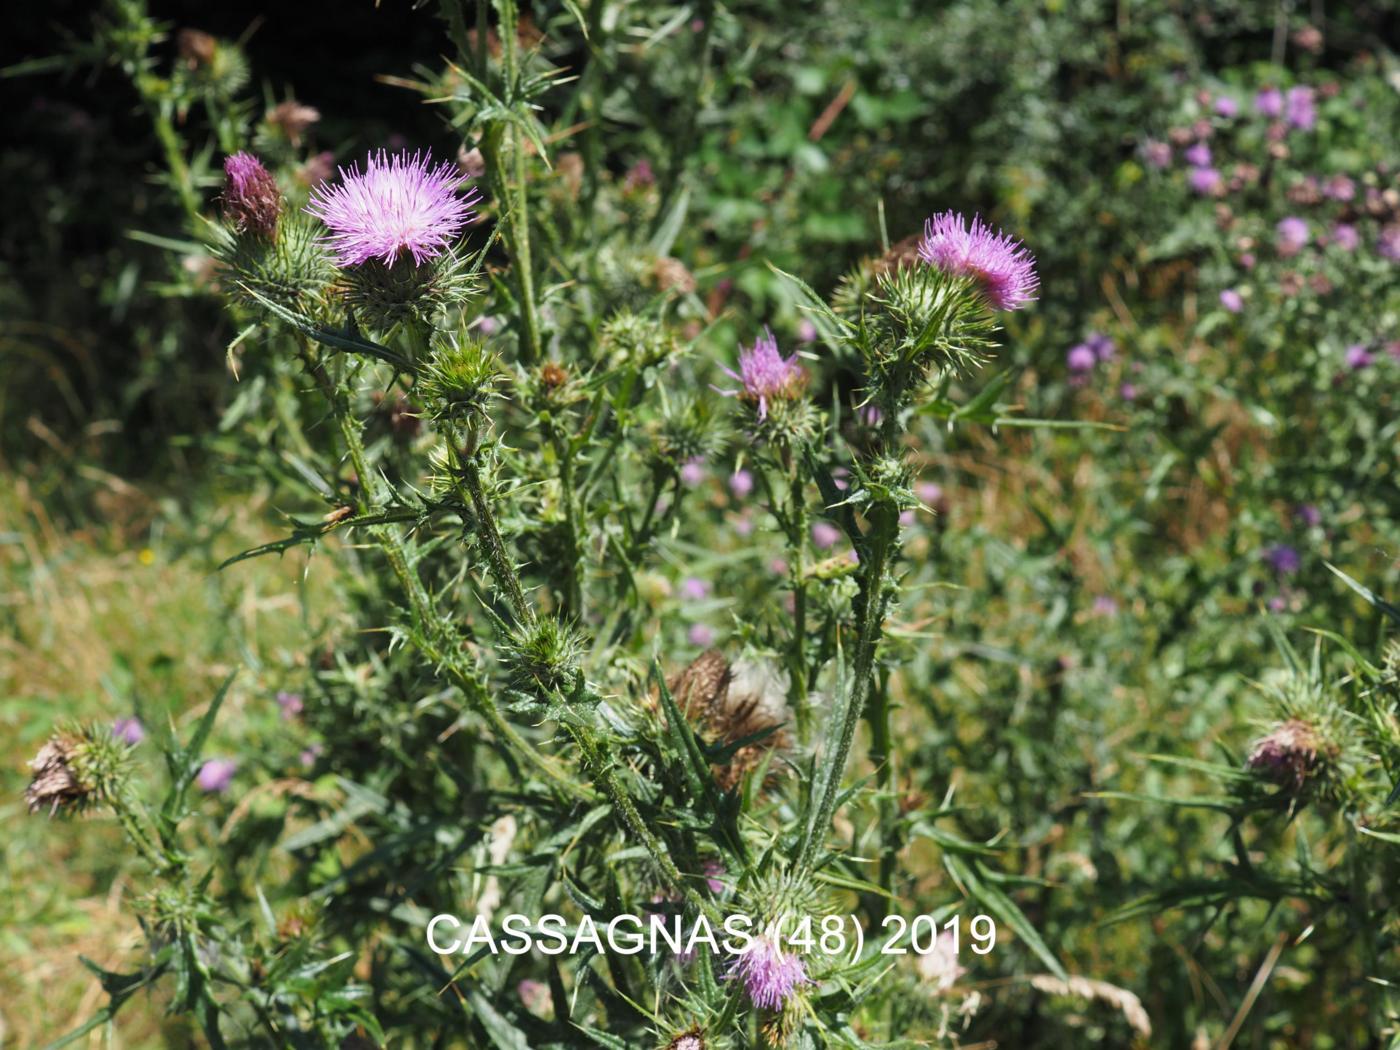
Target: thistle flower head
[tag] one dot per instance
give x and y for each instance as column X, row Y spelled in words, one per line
column 252, row 202
column 999, row 265
column 770, row 975
column 216, row 775
column 398, row 205
column 766, row 374
column 1287, row 754
column 78, row 768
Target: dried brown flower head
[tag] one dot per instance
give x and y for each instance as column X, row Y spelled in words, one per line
column 292, row 118
column 195, row 47
column 55, row 784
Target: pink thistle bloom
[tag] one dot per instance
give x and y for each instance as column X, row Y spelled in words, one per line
column 1157, row 154
column 1198, row 155
column 766, row 374
column 1000, row 265
column 770, row 975
column 741, row 484
column 807, row 331
column 1302, row 113
column 252, row 201
column 398, row 205
column 129, row 730
column 216, row 774
column 1231, row 300
column 1388, row 243
column 700, row 636
column 693, row 472
column 1345, row 237
column 1227, row 107
column 1358, row 357
column 825, row 535
column 1293, row 235
column 1269, row 102
column 1205, row 181
column 1081, row 358
column 695, row 589
column 291, row 704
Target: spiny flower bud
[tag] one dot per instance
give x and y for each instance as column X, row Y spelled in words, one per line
column 1289, row 754
column 691, row 1040
column 543, row 657
column 461, row 379
column 78, row 768
column 252, row 202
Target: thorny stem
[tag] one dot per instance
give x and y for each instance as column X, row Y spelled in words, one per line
column 501, row 566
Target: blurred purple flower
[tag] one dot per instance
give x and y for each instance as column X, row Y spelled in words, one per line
column 216, row 774
column 1292, row 235
column 1227, row 107
column 1269, row 102
column 1198, row 156
column 1358, row 357
column 129, row 730
column 1081, row 358
column 743, row 525
column 769, row 974
column 1307, row 515
column 930, row 493
column 695, row 589
column 824, row 535
column 692, row 472
column 700, row 636
column 906, row 518
column 1231, row 300
column 1157, row 154
column 1345, row 237
column 1103, row 347
column 291, row 704
column 310, row 754
column 487, row 325
column 1204, row 181
column 1302, row 112
column 398, row 205
column 765, row 374
column 806, row 331
column 1105, row 605
column 1128, row 392
column 1000, row 265
column 1388, row 243
column 1339, row 188
column 714, row 872
column 741, row 484
column 778, row 567
column 1283, row 559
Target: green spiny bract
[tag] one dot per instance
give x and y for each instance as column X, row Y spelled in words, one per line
column 922, row 318
column 291, row 269
column 460, row 380
column 384, row 297
column 686, row 432
column 628, row 339
column 79, row 768
column 543, row 657
column 1316, row 743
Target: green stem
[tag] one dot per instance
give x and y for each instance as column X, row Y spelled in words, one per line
column 501, row 566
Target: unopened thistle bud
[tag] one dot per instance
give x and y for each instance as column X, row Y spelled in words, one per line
column 252, row 201
column 1289, row 754
column 460, row 380
column 78, row 768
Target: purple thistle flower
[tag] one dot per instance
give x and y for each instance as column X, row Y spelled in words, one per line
column 398, row 205
column 1388, row 243
column 310, row 754
column 1358, row 357
column 1339, row 188
column 1103, row 347
column 1269, row 102
column 1000, row 265
column 1128, row 392
column 714, row 876
column 765, row 374
column 1345, row 237
column 807, row 331
column 291, row 705
column 930, row 493
column 700, row 636
column 1231, row 300
column 1302, row 113
column 1308, row 515
column 1198, row 155
column 252, row 201
column 1157, row 154
column 741, row 484
column 129, row 730
column 1283, row 559
column 1204, row 181
column 778, row 567
column 1081, row 358
column 1227, row 107
column 1292, row 235
column 695, row 589
column 692, row 472
column 1105, row 605
column 825, row 535
column 770, row 975
column 216, row 774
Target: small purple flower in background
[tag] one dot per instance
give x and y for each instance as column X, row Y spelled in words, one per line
column 1307, row 515
column 700, row 636
column 1302, row 111
column 487, row 325
column 310, row 755
column 930, row 493
column 1283, row 559
column 1198, row 156
column 766, row 375
column 534, row 995
column 825, row 535
column 1339, row 188
column 695, row 589
column 778, row 567
column 1081, row 358
column 806, row 331
column 1227, row 107
column 1269, row 103
column 1105, row 605
column 398, row 205
column 1000, row 265
column 1345, row 237
column 1103, row 347
column 1231, row 300
column 770, row 975
column 1204, row 181
column 291, row 704
column 216, row 774
column 871, row 415
column 129, row 730
column 1278, row 603
column 1292, row 235
column 1128, row 392
column 743, row 525
column 741, row 484
column 252, row 201
column 714, row 871
column 692, row 472
column 639, row 176
column 1388, row 243
column 1157, row 154
column 906, row 518
column 1358, row 357
column 840, row 477
column 1247, row 260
